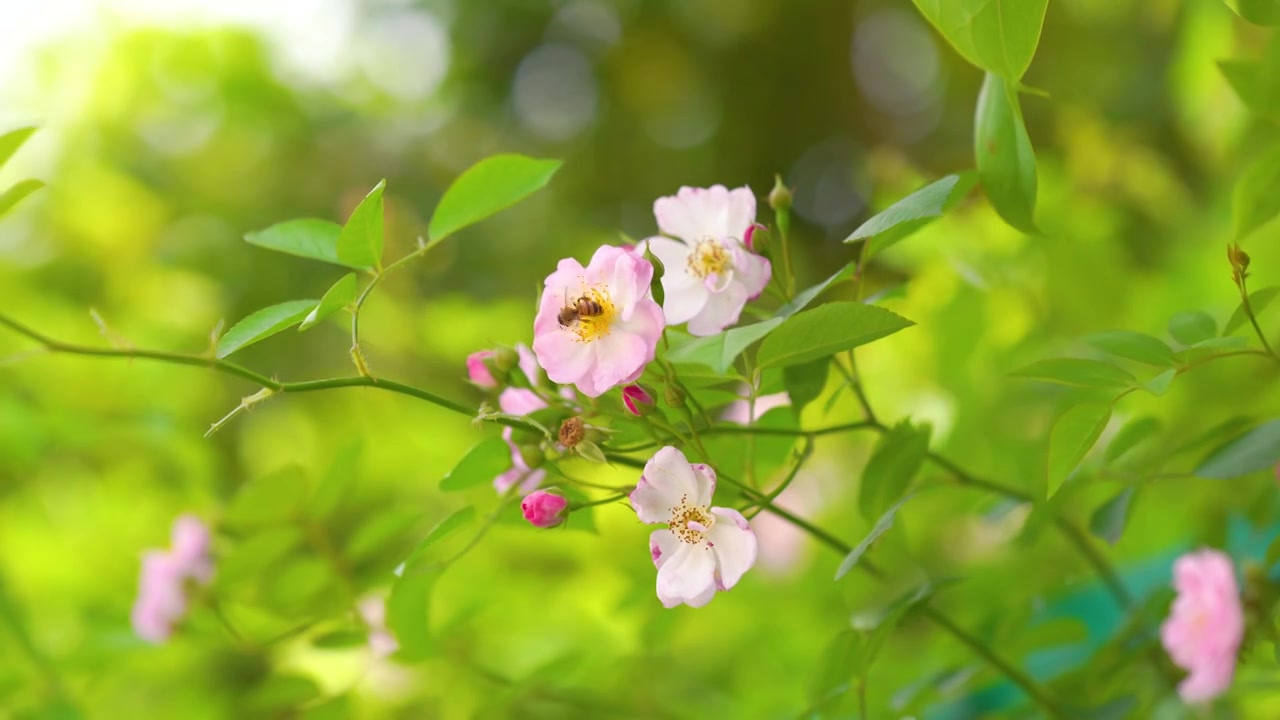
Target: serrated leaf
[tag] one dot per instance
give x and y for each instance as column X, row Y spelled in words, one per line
column 806, row 296
column 15, row 194
column 268, row 499
column 307, row 238
column 263, row 324
column 897, row 458
column 880, row 528
column 482, row 463
column 898, row 221
column 337, row 297
column 1159, row 384
column 485, row 188
column 999, row 36
column 1190, row 328
column 1254, row 451
column 1257, row 195
column 1073, row 435
column 1128, row 437
column 336, row 483
column 1078, row 372
column 12, row 140
column 720, row 350
column 825, row 331
column 1109, row 520
column 1259, row 300
column 804, row 383
column 1006, row 161
column 1134, row 346
column 360, row 242
column 443, row 529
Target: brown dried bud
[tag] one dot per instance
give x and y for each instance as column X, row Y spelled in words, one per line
column 571, row 432
column 1238, row 258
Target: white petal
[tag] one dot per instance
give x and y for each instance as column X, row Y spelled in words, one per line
column 734, row 545
column 683, row 303
column 687, row 575
column 662, row 545
column 721, row 311
column 706, row 484
column 695, row 214
column 668, row 478
column 674, row 256
column 742, row 212
column 753, row 271
column 703, row 597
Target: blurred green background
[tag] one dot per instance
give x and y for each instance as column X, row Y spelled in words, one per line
column 170, row 129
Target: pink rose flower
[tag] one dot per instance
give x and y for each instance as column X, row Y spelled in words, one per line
column 611, row 345
column 373, row 610
column 634, row 396
column 704, row 548
column 520, row 473
column 162, row 601
column 543, row 509
column 478, row 372
column 1205, row 625
column 709, row 274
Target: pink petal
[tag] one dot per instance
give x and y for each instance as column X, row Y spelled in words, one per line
column 528, row 363
column 734, row 545
column 519, row 401
column 565, row 358
column 754, row 271
column 477, row 371
column 721, row 311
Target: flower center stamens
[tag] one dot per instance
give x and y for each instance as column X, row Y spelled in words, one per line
column 709, row 258
column 691, row 523
column 595, row 313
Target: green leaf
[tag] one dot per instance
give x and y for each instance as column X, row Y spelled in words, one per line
column 263, row 324
column 1134, row 346
column 1259, row 300
column 720, row 350
column 339, row 639
column 1190, row 328
column 303, row 584
column 1109, row 520
column 1006, row 161
column 1272, row 556
column 1254, row 451
column 336, row 483
column 898, row 221
column 1257, row 196
column 1078, row 372
column 15, row 194
column 379, row 532
column 1073, row 435
column 268, row 499
column 1159, row 384
column 482, row 463
column 408, row 608
column 999, row 36
column 1258, row 12
column 257, row 553
column 443, row 529
column 360, row 242
column 490, row 185
column 804, row 383
column 12, row 140
column 806, row 296
column 280, row 692
column 881, row 527
column 1128, row 437
column 896, row 459
column 827, row 330
column 340, row 295
column 308, row 238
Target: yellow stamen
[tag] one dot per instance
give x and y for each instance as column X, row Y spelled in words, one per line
column 684, row 514
column 709, row 257
column 594, row 327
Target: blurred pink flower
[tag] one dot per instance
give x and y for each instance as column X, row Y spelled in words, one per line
column 373, row 610
column 543, row 509
column 520, row 473
column 1205, row 625
column 634, row 396
column 161, row 600
column 740, row 411
column 478, row 372
column 611, row 347
column 704, row 548
column 708, row 273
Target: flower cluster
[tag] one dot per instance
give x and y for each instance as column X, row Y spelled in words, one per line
column 162, row 588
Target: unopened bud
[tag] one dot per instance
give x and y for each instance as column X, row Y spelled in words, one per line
column 674, row 396
column 571, row 432
column 591, row 451
column 532, row 455
column 478, row 370
column 756, row 238
column 1238, row 258
column 780, row 195
column 544, row 509
column 505, row 360
column 637, row 399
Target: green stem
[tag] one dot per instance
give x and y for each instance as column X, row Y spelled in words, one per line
column 794, row 432
column 602, row 501
column 1253, row 320
column 357, row 355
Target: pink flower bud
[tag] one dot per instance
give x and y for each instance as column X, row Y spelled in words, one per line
column 637, row 400
column 543, row 509
column 749, row 237
column 478, row 371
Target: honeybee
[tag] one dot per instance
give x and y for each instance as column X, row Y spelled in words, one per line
column 583, row 307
